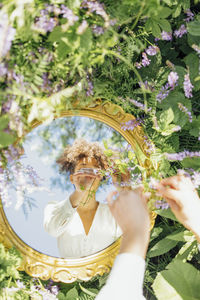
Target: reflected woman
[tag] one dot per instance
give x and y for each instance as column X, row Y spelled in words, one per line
column 81, row 225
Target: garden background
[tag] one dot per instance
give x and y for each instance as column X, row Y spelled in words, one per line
column 143, row 56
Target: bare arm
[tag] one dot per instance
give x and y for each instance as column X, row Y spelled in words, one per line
column 184, row 201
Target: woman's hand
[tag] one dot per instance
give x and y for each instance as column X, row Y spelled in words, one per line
column 183, row 199
column 130, row 212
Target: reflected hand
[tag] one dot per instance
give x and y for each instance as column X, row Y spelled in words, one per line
column 85, row 182
column 130, row 212
column 183, row 199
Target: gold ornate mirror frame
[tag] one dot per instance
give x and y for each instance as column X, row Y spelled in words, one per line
column 44, row 266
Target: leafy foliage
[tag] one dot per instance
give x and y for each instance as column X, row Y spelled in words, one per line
column 141, row 55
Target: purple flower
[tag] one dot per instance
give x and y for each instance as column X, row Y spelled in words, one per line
column 185, row 110
column 164, row 92
column 145, row 61
column 172, row 79
column 166, row 36
column 187, row 86
column 7, row 34
column 44, row 23
column 82, row 27
column 98, row 30
column 3, row 70
column 95, row 6
column 196, row 48
column 68, row 14
column 152, row 50
column 190, row 16
column 139, row 105
column 160, row 204
column 131, row 124
column 146, row 85
column 138, row 65
column 89, row 91
column 181, row 155
column 181, row 31
column 149, row 144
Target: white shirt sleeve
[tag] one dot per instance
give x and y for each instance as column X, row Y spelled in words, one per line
column 57, row 215
column 125, row 280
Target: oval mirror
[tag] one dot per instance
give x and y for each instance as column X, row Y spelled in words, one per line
column 58, row 239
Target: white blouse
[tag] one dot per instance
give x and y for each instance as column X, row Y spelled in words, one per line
column 62, row 221
column 125, row 280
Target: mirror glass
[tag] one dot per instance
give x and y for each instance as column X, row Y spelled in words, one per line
column 39, row 193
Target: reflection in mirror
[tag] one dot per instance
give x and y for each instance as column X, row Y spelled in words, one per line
column 64, row 214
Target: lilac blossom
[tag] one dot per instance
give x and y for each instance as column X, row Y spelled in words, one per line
column 172, row 79
column 163, row 93
column 161, row 204
column 196, row 48
column 82, row 27
column 45, row 23
column 166, row 36
column 181, row 31
column 195, row 177
column 182, row 155
column 95, row 6
column 139, row 105
column 190, row 16
column 145, row 61
column 54, row 289
column 146, row 85
column 3, row 69
column 89, row 91
column 187, row 86
column 186, row 111
column 138, row 65
column 69, row 15
column 152, row 50
column 131, row 124
column 149, row 144
column 7, row 34
column 98, row 30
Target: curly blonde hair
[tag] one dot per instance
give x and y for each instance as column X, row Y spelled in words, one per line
column 80, row 149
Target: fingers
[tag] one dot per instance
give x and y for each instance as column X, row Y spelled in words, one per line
column 169, row 193
column 112, row 197
column 176, row 182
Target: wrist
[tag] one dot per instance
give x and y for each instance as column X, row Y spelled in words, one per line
column 131, row 243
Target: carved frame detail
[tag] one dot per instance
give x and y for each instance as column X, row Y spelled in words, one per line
column 37, row 264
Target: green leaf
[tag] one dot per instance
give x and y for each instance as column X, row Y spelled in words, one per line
column 181, row 236
column 162, row 247
column 148, row 25
column 156, row 29
column 90, row 292
column 166, row 117
column 177, row 11
column 165, row 12
column 192, row 62
column 166, row 213
column 180, row 118
column 86, row 41
column 187, row 251
column 193, row 162
column 72, row 294
column 4, row 120
column 56, row 34
column 6, row 139
column 180, row 281
column 165, row 25
column 169, row 130
column 194, row 28
column 155, row 232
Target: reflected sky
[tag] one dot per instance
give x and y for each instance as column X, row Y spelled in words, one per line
column 42, row 146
